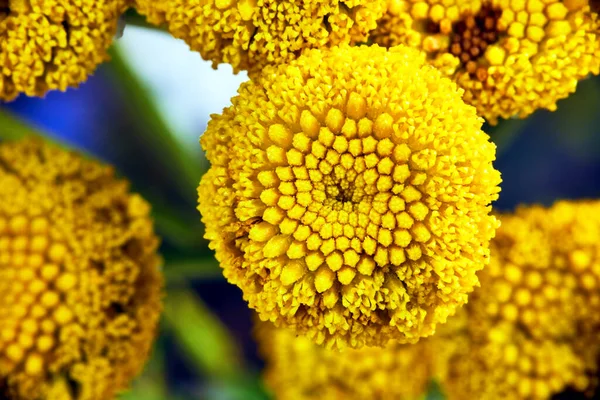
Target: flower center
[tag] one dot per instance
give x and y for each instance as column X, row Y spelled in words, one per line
column 595, row 5
column 341, row 192
column 470, row 37
column 4, row 8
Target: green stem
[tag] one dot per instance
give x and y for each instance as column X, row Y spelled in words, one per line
column 181, row 271
column 12, row 128
column 185, row 168
column 206, row 342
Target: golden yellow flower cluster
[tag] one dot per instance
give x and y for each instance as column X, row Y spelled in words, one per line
column 349, row 195
column 511, row 57
column 250, row 34
column 533, row 327
column 51, row 44
column 298, row 369
column 504, row 363
column 79, row 279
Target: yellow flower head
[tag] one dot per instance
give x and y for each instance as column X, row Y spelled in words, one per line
column 79, row 279
column 250, row 34
column 51, row 44
column 511, row 57
column 298, row 369
column 506, row 364
column 349, row 195
column 533, row 326
column 544, row 270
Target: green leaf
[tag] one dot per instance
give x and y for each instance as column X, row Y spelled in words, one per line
column 206, row 342
column 435, row 392
column 178, row 272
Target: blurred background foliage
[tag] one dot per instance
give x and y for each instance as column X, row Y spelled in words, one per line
column 144, row 111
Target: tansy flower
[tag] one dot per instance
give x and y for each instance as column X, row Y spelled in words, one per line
column 249, row 34
column 79, row 279
column 504, row 363
column 532, row 328
column 511, row 57
column 349, row 195
column 298, row 369
column 46, row 45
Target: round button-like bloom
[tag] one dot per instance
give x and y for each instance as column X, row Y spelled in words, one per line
column 79, row 278
column 47, row 45
column 349, row 195
column 511, row 58
column 298, row 369
column 504, row 363
column 532, row 329
column 251, row 34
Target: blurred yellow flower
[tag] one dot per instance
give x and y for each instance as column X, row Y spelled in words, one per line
column 504, row 363
column 79, row 278
column 511, row 57
column 298, row 369
column 533, row 328
column 349, row 195
column 250, row 34
column 47, row 45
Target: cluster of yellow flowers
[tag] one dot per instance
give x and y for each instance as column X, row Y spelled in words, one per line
column 349, row 198
column 531, row 331
column 80, row 288
column 250, row 34
column 533, row 328
column 510, row 57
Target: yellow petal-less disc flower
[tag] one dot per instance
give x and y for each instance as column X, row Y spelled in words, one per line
column 298, row 369
column 249, row 34
column 349, row 195
column 79, row 278
column 532, row 328
column 50, row 44
column 511, row 57
column 504, row 363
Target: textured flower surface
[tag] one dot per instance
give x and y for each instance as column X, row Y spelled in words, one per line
column 298, row 369
column 249, row 34
column 79, row 278
column 532, row 329
column 511, row 57
column 349, row 195
column 504, row 363
column 46, row 45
